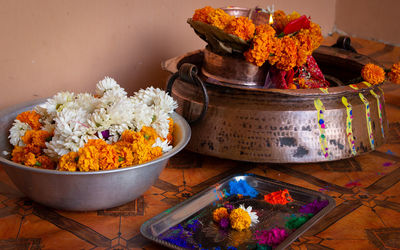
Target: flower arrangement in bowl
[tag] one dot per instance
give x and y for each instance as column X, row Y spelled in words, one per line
column 88, row 152
column 285, row 44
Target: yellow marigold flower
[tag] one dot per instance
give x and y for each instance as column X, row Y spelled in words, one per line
column 242, row 27
column 202, row 14
column 45, row 162
column 373, row 73
column 69, row 162
column 36, row 138
column 219, row 18
column 240, row 219
column 31, row 118
column 88, row 159
column 220, row 213
column 394, row 74
column 280, row 20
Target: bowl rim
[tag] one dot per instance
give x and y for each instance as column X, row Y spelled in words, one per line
column 178, row 119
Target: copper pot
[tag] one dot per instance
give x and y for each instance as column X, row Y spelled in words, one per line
column 285, row 126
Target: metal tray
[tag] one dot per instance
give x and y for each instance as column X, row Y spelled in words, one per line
column 208, row 235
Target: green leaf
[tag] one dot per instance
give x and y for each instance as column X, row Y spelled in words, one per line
column 218, row 40
column 38, row 164
column 121, row 159
column 146, row 136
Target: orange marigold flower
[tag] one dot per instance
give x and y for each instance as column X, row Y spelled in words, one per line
column 316, row 36
column 124, row 153
column 149, row 134
column 88, row 159
column 263, row 45
column 242, row 27
column 373, row 73
column 45, row 162
column 31, row 118
column 30, row 160
column 69, row 162
column 18, row 154
column 36, row 138
column 144, row 152
column 170, row 136
column 129, row 136
column 394, row 74
column 106, row 155
column 220, row 213
column 202, row 14
column 287, row 53
column 240, row 219
column 280, row 20
column 219, row 18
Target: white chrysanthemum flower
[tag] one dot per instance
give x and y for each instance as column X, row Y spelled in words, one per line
column 56, row 104
column 157, row 97
column 71, row 132
column 108, row 85
column 253, row 215
column 146, row 96
column 164, row 102
column 164, row 145
column 142, row 116
column 86, row 102
column 160, row 123
column 18, row 130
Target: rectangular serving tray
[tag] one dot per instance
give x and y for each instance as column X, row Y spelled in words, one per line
column 207, row 235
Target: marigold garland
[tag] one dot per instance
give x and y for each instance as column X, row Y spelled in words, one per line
column 394, row 74
column 202, row 14
column 373, row 73
column 219, row 18
column 242, row 27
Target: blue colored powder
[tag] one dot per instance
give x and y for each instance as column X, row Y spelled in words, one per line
column 232, row 248
column 241, row 187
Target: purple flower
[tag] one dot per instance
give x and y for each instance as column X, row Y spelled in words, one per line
column 105, row 134
column 229, row 207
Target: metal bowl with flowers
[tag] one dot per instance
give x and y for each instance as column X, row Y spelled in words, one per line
column 86, row 152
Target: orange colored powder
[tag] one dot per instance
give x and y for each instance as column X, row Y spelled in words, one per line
column 281, row 197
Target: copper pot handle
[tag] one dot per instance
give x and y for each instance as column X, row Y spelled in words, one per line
column 188, row 73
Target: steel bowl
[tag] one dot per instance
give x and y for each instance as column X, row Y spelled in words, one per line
column 84, row 191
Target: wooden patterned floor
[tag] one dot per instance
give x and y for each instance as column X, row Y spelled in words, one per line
column 366, row 189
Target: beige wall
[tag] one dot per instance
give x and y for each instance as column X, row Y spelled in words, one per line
column 53, row 45
column 369, row 19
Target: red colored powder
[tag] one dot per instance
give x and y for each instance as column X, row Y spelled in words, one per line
column 279, row 197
